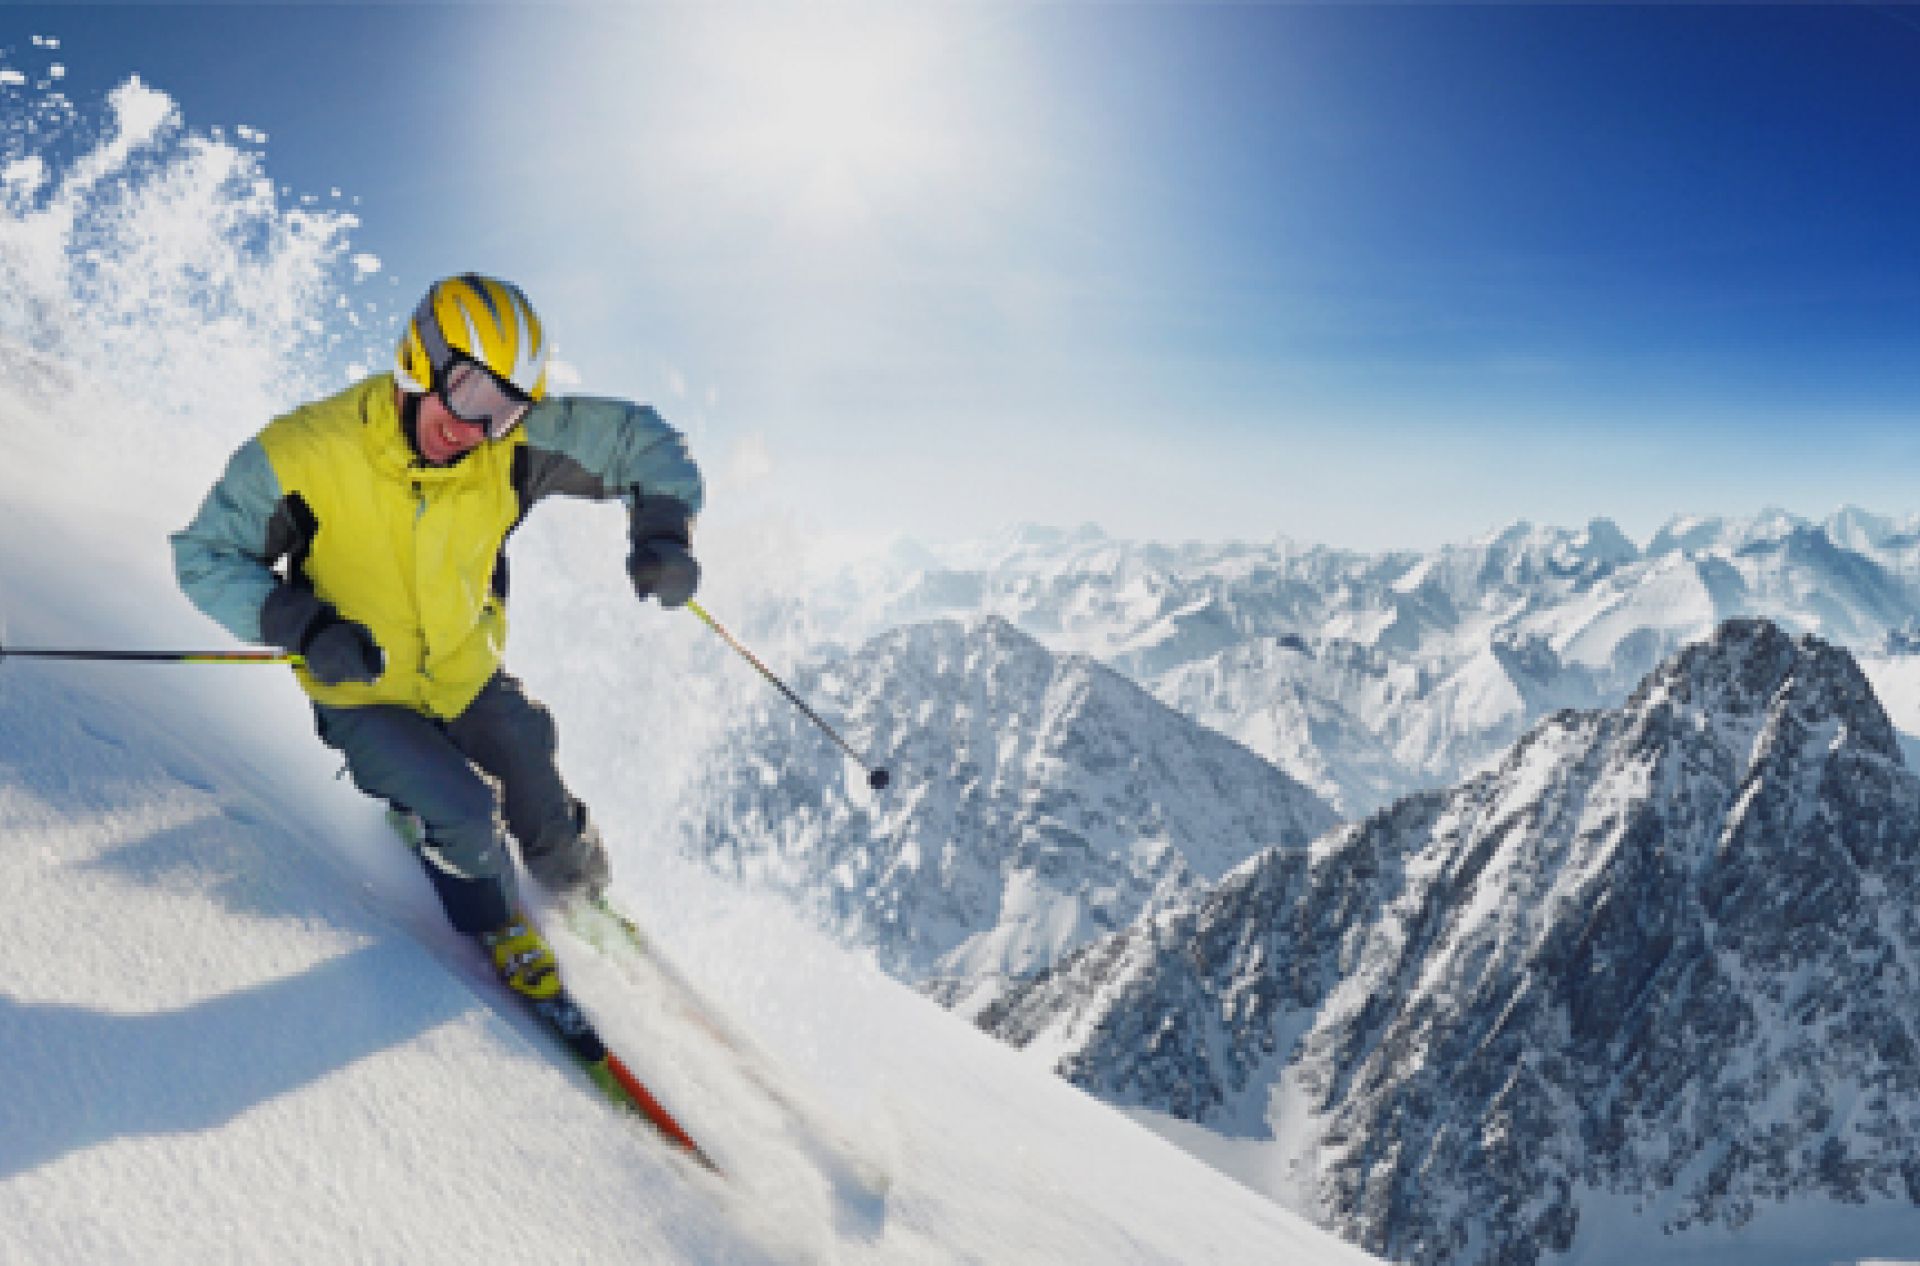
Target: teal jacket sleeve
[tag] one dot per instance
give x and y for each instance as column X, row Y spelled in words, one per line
column 583, row 446
column 224, row 559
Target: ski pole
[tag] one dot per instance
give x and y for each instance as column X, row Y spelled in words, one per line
column 152, row 657
column 876, row 778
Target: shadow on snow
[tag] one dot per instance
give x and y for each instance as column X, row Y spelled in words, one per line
column 76, row 1078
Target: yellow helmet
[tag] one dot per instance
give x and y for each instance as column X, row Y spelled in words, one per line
column 482, row 318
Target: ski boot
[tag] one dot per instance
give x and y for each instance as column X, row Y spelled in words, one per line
column 523, row 959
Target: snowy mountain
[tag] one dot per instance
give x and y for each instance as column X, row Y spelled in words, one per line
column 1142, row 608
column 1644, row 986
column 1037, row 802
column 1367, row 677
column 1894, row 543
column 1325, row 712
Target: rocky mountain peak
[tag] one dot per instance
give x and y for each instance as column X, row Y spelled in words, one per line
column 1657, row 958
column 1751, row 676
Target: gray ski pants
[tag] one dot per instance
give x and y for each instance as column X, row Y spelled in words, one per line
column 423, row 765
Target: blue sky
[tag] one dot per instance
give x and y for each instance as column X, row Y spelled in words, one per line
column 1363, row 275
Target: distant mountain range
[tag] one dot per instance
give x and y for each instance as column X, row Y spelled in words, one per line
column 1369, row 676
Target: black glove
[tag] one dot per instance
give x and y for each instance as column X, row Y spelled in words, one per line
column 662, row 563
column 663, row 569
column 335, row 650
column 341, row 651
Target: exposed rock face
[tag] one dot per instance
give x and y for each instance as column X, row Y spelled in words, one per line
column 1668, row 952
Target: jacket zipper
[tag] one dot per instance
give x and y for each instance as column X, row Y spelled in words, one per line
column 420, row 514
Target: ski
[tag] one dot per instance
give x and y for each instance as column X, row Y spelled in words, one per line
column 564, row 1018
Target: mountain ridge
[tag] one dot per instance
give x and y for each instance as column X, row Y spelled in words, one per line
column 1470, row 643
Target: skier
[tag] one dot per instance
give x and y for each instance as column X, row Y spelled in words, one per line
column 391, row 504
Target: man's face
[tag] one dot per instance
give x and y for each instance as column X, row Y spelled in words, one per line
column 444, row 437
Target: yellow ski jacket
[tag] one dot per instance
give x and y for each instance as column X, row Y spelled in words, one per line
column 415, row 552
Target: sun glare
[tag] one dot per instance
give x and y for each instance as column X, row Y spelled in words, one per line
column 839, row 116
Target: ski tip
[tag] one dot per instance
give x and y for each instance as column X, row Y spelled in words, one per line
column 642, row 1101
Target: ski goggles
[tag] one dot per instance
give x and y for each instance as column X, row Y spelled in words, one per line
column 472, row 394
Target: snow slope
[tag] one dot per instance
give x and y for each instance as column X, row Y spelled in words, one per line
column 232, row 1023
